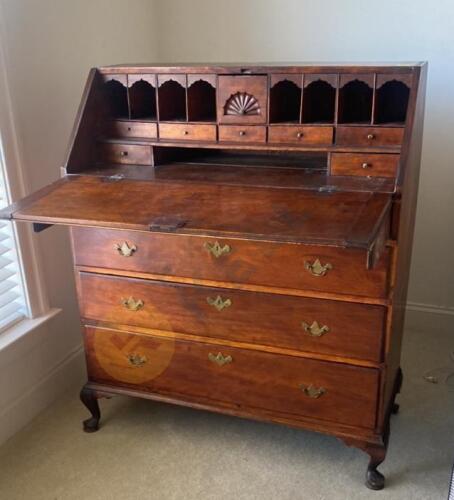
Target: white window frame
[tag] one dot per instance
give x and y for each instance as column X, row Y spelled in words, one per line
column 17, row 187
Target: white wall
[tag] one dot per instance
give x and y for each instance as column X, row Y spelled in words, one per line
column 347, row 30
column 50, row 46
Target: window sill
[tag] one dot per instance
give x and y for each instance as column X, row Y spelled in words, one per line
column 22, row 328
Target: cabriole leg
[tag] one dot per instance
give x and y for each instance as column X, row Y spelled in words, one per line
column 90, row 399
column 375, row 480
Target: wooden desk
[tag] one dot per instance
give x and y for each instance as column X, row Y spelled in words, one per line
column 242, row 239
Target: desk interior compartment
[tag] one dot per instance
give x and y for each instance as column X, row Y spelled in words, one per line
column 172, row 97
column 285, row 99
column 319, row 98
column 142, row 97
column 355, row 98
column 202, row 98
column 114, row 94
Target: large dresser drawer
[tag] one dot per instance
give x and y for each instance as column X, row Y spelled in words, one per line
column 239, row 378
column 320, row 326
column 283, row 265
column 369, row 136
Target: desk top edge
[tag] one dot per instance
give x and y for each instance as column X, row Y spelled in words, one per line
column 219, row 68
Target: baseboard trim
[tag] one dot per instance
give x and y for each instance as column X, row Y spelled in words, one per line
column 52, row 384
column 429, row 318
column 429, row 308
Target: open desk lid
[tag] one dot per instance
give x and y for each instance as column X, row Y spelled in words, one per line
column 347, row 219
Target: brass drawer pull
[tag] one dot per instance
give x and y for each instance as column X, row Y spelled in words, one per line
column 366, row 165
column 299, row 135
column 132, row 304
column 312, row 392
column 316, row 268
column 370, row 136
column 216, row 249
column 219, row 303
column 136, row 359
column 123, row 153
column 220, row 359
column 125, row 249
column 315, row 330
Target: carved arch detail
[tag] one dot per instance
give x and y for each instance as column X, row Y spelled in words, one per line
column 242, row 104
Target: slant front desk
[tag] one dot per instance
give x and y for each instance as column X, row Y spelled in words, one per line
column 242, row 239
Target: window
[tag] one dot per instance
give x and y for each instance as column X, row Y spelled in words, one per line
column 13, row 304
column 23, row 299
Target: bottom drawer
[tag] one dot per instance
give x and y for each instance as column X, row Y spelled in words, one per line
column 236, row 377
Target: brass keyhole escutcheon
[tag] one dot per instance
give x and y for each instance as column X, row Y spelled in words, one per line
column 316, row 268
column 312, row 392
column 217, row 249
column 132, row 304
column 219, row 303
column 125, row 249
column 220, row 359
column 136, row 359
column 315, row 330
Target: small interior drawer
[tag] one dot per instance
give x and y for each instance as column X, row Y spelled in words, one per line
column 369, row 136
column 123, row 128
column 187, row 132
column 131, row 154
column 376, row 165
column 237, row 133
column 300, row 135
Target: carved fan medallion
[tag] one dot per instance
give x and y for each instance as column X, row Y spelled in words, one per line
column 242, row 103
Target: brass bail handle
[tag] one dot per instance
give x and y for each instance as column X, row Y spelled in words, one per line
column 219, row 303
column 125, row 249
column 136, row 359
column 220, row 359
column 315, row 330
column 316, row 268
column 132, row 304
column 312, row 392
column 216, row 249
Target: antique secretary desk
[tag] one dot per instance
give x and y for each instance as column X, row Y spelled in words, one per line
column 242, row 239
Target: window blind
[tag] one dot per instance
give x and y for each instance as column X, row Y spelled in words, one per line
column 13, row 305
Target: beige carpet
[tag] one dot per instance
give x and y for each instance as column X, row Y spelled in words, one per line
column 147, row 450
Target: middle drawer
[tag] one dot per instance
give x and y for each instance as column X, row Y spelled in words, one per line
column 320, row 326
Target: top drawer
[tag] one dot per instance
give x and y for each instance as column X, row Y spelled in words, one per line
column 283, row 265
column 369, row 136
